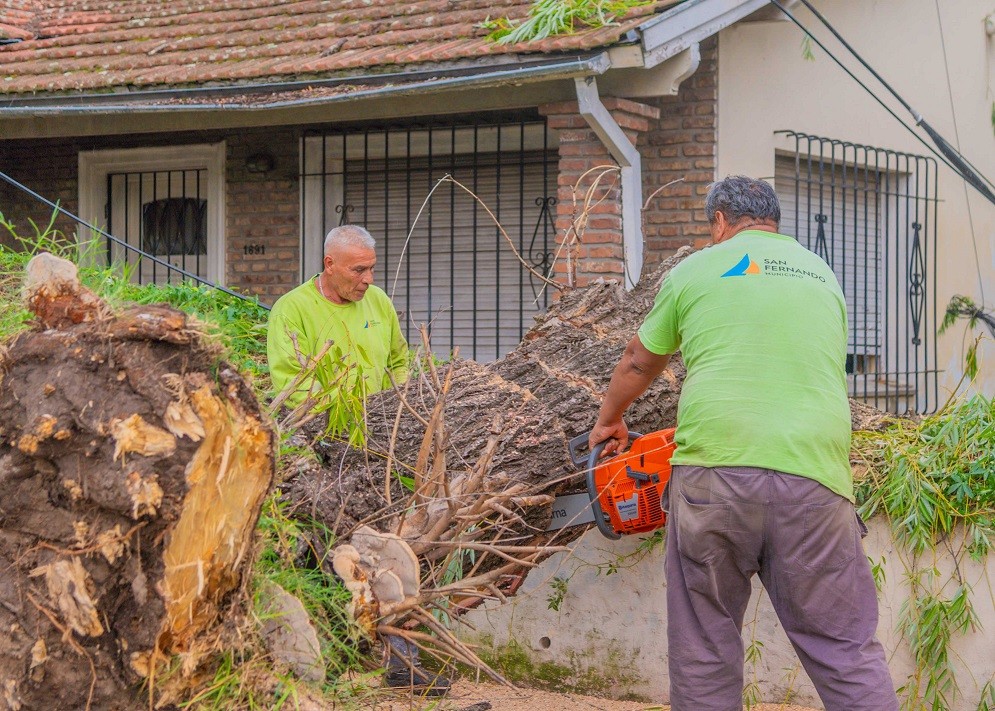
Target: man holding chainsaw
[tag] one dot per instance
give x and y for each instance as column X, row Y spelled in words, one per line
column 761, row 481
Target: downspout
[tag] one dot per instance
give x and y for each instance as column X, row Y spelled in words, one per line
column 629, row 160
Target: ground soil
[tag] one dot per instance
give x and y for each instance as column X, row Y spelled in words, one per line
column 466, row 695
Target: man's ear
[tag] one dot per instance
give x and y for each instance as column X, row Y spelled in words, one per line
column 720, row 221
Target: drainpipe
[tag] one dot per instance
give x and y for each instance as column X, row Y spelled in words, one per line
column 628, row 158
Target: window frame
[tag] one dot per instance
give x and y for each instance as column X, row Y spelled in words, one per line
column 95, row 165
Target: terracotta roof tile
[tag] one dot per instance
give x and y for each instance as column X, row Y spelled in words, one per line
column 88, row 45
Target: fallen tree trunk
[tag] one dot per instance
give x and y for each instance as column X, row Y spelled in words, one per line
column 525, row 407
column 133, row 465
column 529, row 403
column 483, row 449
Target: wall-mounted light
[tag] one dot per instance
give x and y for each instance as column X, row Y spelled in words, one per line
column 259, row 163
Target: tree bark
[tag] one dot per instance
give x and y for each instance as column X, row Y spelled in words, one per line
column 530, row 403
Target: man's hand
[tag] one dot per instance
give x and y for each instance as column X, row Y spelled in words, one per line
column 615, row 435
column 633, row 374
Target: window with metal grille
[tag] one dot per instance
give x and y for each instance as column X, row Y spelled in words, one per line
column 174, row 226
column 871, row 214
column 441, row 257
column 162, row 213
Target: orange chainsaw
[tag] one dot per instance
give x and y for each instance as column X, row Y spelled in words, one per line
column 623, row 492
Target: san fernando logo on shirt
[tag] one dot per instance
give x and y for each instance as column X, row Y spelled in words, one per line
column 771, row 268
column 372, row 323
column 743, row 267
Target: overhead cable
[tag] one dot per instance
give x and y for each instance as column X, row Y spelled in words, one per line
column 953, row 158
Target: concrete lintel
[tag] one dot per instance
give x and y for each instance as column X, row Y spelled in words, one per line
column 627, row 156
column 662, row 80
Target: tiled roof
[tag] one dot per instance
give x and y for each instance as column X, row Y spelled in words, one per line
column 92, row 46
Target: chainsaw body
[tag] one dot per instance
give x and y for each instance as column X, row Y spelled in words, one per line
column 626, row 490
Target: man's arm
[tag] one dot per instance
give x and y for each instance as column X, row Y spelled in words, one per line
column 280, row 352
column 633, row 374
column 397, row 359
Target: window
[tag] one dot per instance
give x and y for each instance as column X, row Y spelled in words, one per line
column 871, row 214
column 442, row 259
column 165, row 202
column 174, row 226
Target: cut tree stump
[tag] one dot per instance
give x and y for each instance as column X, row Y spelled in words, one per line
column 133, row 465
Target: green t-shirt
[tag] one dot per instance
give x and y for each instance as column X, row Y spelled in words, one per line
column 761, row 324
column 365, row 333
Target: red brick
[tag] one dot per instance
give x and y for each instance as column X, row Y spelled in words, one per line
column 615, row 104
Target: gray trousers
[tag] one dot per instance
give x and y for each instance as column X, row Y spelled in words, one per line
column 804, row 541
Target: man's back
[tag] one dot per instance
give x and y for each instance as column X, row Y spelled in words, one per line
column 761, row 325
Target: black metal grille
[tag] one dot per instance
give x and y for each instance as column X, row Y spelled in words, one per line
column 441, row 258
column 871, row 214
column 163, row 213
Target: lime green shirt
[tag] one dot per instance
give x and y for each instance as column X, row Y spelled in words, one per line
column 366, row 338
column 761, row 324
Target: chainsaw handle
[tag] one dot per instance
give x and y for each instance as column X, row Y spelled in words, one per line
column 599, row 515
column 579, row 442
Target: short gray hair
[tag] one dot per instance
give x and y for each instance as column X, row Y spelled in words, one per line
column 349, row 236
column 739, row 196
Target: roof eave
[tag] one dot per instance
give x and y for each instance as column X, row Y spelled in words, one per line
column 688, row 23
column 405, row 84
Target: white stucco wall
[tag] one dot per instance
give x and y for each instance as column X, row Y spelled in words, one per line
column 765, row 84
column 612, row 628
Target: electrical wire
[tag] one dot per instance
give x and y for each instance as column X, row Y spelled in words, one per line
column 920, row 121
column 953, row 115
column 864, row 86
column 128, row 247
column 950, row 159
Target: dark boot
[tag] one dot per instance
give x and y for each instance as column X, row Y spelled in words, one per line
column 404, row 670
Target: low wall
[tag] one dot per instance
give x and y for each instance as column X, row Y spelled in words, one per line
column 609, row 634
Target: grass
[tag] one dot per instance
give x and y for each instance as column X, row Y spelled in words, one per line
column 239, row 325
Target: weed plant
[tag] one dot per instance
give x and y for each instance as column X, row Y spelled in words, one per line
column 935, row 480
column 548, row 18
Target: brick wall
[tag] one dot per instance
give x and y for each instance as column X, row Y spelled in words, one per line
column 263, row 215
column 50, row 169
column 589, row 196
column 262, row 209
column 681, row 145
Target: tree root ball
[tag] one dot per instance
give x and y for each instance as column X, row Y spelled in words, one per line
column 133, row 465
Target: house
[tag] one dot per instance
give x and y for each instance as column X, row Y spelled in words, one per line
column 854, row 184
column 226, row 140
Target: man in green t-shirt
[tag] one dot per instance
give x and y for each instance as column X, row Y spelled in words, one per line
column 368, row 351
column 341, row 305
column 761, row 481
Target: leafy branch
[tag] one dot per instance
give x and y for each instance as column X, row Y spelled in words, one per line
column 548, row 18
column 933, row 479
column 964, row 307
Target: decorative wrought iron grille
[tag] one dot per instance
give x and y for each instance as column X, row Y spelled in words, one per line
column 871, row 214
column 161, row 213
column 441, row 257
